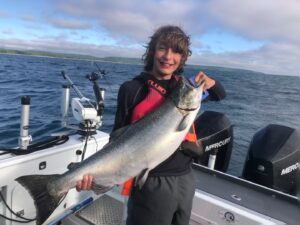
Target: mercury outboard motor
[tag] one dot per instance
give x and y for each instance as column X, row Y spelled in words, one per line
column 215, row 136
column 274, row 158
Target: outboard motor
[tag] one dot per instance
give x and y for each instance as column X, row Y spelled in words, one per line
column 215, row 136
column 274, row 158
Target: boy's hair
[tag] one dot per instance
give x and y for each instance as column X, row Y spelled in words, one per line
column 172, row 37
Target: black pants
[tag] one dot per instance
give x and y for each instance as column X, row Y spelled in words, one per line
column 162, row 201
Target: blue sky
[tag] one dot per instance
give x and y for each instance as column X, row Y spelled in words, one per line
column 258, row 35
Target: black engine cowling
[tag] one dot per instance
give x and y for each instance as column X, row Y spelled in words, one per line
column 273, row 158
column 215, row 135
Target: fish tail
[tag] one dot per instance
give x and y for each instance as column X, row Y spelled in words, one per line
column 45, row 203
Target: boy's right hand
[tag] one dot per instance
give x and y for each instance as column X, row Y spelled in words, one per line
column 85, row 183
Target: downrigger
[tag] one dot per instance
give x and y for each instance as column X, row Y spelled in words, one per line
column 87, row 112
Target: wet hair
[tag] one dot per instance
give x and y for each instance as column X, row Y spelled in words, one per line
column 172, row 37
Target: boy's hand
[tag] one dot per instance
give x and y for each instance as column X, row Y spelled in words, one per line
column 201, row 76
column 85, row 183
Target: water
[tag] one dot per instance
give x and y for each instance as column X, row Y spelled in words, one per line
column 253, row 101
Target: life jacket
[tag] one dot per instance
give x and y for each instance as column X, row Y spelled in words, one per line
column 155, row 97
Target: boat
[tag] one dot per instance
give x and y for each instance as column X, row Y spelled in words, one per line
column 266, row 193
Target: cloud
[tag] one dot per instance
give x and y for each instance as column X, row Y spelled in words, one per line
column 28, row 17
column 8, row 31
column 263, row 20
column 3, row 14
column 266, row 19
column 60, row 44
column 129, row 23
column 282, row 59
column 132, row 18
column 276, row 23
column 68, row 24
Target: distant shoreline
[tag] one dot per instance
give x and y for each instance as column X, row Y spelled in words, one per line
column 67, row 58
column 112, row 59
column 119, row 60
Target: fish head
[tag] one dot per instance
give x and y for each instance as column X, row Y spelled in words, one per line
column 186, row 96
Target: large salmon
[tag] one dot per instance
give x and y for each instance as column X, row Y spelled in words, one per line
column 132, row 151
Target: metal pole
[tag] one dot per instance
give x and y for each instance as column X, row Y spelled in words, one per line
column 212, row 159
column 102, row 92
column 65, row 104
column 24, row 138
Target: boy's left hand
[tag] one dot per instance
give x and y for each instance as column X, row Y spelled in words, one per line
column 201, row 76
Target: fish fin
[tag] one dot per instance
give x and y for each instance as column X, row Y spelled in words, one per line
column 44, row 203
column 183, row 124
column 100, row 189
column 141, row 178
column 117, row 133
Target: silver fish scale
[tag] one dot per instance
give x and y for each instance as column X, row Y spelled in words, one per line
column 104, row 211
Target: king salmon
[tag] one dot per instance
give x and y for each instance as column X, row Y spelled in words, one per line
column 132, row 151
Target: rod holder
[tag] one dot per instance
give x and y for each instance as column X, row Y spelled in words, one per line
column 65, row 102
column 212, row 159
column 25, row 138
column 102, row 93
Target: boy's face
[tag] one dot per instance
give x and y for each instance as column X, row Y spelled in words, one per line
column 165, row 62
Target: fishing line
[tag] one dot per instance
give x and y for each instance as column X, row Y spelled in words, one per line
column 13, row 220
column 86, row 140
column 7, row 206
column 36, row 147
column 95, row 143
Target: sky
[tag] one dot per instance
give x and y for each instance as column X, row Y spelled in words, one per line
column 261, row 35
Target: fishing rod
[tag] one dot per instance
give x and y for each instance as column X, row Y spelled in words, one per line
column 103, row 74
column 101, row 71
column 66, row 77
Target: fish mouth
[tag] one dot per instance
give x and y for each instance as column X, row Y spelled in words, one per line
column 196, row 88
column 192, row 84
column 188, row 97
